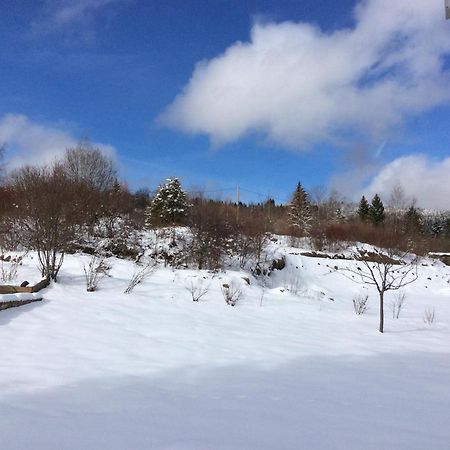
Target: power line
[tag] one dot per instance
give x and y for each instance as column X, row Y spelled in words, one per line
column 234, row 189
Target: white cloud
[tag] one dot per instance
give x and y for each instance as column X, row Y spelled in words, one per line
column 70, row 11
column 299, row 85
column 57, row 14
column 28, row 142
column 421, row 177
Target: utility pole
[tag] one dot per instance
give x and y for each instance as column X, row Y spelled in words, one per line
column 238, row 199
column 447, row 9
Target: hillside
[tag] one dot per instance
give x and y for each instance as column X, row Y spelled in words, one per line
column 290, row 366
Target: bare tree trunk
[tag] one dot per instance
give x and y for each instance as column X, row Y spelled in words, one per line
column 381, row 311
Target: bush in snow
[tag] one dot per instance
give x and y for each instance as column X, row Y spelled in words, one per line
column 9, row 266
column 292, row 281
column 94, row 271
column 251, row 239
column 141, row 273
column 170, row 245
column 429, row 315
column 231, row 293
column 212, row 235
column 197, row 289
column 360, row 304
column 397, row 305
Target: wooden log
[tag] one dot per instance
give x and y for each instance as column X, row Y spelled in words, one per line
column 41, row 285
column 9, row 289
column 14, row 304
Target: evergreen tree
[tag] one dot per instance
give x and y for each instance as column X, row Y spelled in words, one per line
column 376, row 211
column 437, row 227
column 169, row 206
column 447, row 227
column 300, row 211
column 339, row 216
column 363, row 209
column 412, row 220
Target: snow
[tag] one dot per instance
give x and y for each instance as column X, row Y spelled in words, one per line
column 20, row 297
column 290, row 366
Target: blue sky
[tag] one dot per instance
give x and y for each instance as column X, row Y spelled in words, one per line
column 287, row 91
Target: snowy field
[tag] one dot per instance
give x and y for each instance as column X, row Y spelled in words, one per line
column 289, row 367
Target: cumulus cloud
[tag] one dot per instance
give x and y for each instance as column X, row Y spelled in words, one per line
column 28, row 142
column 300, row 85
column 425, row 179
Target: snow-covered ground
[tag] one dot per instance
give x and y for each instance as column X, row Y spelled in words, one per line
column 289, row 367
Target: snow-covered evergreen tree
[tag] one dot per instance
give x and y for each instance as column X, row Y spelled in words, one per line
column 339, row 216
column 169, row 206
column 300, row 211
column 437, row 226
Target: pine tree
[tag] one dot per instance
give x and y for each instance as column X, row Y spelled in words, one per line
column 376, row 211
column 169, row 206
column 412, row 220
column 447, row 226
column 339, row 216
column 363, row 209
column 300, row 211
column 437, row 227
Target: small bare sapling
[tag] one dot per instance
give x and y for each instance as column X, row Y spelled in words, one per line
column 292, row 281
column 197, row 288
column 231, row 293
column 9, row 266
column 141, row 273
column 429, row 315
column 261, row 298
column 397, row 305
column 360, row 304
column 94, row 271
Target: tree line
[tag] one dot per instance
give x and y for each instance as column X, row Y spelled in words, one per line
column 79, row 199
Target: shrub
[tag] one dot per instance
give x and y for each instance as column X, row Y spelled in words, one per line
column 397, row 305
column 212, row 235
column 197, row 289
column 360, row 304
column 429, row 315
column 94, row 271
column 231, row 293
column 141, row 273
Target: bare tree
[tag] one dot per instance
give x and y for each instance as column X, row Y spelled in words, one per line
column 47, row 213
column 318, row 194
column 91, row 166
column 385, row 270
column 251, row 237
column 397, row 205
column 2, row 163
column 94, row 174
column 398, row 199
column 212, row 234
